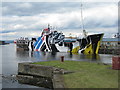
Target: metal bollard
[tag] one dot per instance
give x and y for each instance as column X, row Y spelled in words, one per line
column 62, row 58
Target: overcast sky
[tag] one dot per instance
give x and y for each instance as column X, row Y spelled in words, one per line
column 27, row 19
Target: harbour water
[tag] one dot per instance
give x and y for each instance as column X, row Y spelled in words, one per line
column 11, row 57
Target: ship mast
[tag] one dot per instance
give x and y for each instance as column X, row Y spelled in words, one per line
column 83, row 28
column 48, row 26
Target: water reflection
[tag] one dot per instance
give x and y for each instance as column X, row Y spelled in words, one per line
column 53, row 54
column 43, row 53
column 22, row 53
column 93, row 57
column 48, row 56
column 36, row 54
column 70, row 55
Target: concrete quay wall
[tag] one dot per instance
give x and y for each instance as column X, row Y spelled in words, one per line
column 36, row 70
column 109, row 51
column 28, row 73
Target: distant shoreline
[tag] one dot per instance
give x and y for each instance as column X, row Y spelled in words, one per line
column 4, row 42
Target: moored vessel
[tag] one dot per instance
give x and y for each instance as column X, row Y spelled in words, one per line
column 90, row 44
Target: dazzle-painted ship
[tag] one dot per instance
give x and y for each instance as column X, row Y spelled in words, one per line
column 52, row 41
column 48, row 40
column 90, row 44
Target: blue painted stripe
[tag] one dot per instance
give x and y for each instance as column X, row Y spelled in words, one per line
column 35, row 44
column 39, row 44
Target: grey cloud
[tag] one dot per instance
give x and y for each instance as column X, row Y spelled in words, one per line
column 14, row 8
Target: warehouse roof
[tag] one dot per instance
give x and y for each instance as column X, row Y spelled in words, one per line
column 111, row 39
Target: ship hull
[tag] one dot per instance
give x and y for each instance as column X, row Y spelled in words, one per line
column 90, row 44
